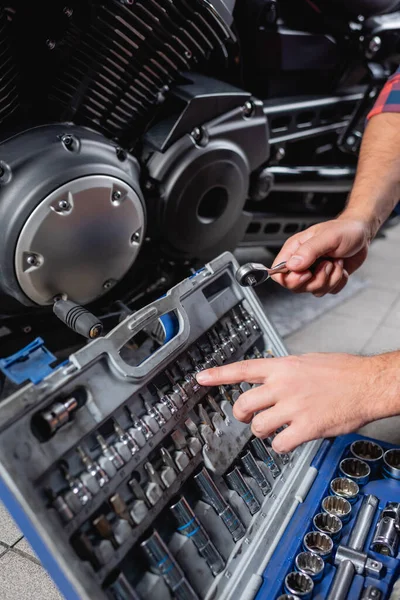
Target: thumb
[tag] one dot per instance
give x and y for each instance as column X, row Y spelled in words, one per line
column 319, row 245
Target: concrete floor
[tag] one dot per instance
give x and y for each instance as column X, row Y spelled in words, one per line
column 367, row 323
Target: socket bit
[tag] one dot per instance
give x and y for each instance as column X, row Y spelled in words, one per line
column 239, row 485
column 345, row 488
column 95, row 477
column 110, row 453
column 253, row 469
column 161, row 559
column 370, row 452
column 265, row 455
column 329, row 524
column 391, row 463
column 120, row 508
column 140, row 425
column 213, row 496
column 233, row 335
column 386, row 538
column 355, row 469
column 241, row 326
column 337, row 507
column 318, row 543
column 392, row 510
column 152, row 411
column 76, row 486
column 60, row 505
column 103, row 526
column 311, row 564
column 125, row 445
column 299, row 584
column 249, row 318
column 177, row 387
column 189, row 525
column 167, row 401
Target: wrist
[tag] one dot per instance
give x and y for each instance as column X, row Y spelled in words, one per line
column 369, row 222
column 384, row 382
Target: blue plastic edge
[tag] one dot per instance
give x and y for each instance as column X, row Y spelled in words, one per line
column 30, row 363
column 47, row 559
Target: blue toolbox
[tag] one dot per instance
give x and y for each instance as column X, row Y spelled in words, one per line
column 131, row 481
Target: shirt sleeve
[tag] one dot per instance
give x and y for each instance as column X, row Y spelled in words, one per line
column 389, row 98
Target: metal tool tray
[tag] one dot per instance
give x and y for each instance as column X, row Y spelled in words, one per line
column 103, row 381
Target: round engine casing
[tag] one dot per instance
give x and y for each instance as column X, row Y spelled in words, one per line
column 71, row 213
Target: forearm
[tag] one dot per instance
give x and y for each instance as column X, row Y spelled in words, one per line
column 376, row 189
column 384, row 400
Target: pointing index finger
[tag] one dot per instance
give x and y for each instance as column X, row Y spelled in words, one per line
column 251, row 371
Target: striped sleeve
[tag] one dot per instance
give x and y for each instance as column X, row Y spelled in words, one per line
column 389, row 98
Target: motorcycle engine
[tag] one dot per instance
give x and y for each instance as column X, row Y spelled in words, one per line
column 80, row 86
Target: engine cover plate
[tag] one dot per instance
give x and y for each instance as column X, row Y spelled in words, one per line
column 80, row 240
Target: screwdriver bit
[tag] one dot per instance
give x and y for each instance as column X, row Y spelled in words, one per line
column 103, row 526
column 204, row 418
column 137, row 490
column 84, row 549
column 192, row 428
column 225, row 394
column 180, row 441
column 120, row 508
column 153, row 475
column 215, row 406
column 167, row 459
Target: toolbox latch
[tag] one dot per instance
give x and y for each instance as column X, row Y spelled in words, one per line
column 30, row 363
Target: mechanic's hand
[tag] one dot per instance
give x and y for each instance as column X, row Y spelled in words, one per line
column 344, row 239
column 316, row 395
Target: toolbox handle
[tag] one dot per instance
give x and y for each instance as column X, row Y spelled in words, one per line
column 112, row 343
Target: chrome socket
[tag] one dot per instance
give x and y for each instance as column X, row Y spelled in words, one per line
column 310, row 564
column 337, row 507
column 329, row 524
column 288, row 597
column 299, row 584
column 368, row 451
column 318, row 543
column 355, row 469
column 343, row 487
column 391, row 463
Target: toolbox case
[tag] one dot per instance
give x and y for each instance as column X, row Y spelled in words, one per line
column 93, row 526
